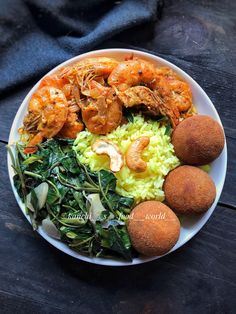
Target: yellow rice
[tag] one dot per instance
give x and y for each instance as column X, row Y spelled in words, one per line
column 159, row 156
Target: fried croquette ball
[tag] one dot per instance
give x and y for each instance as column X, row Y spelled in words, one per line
column 153, row 228
column 189, row 190
column 198, row 140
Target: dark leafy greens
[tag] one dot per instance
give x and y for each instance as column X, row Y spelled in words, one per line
column 69, row 186
column 168, row 130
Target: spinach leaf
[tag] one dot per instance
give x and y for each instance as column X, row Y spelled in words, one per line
column 128, row 115
column 104, row 215
column 108, row 180
column 18, row 185
column 119, row 202
column 119, row 241
column 69, row 184
column 34, row 201
column 168, row 130
column 53, row 195
column 70, row 163
column 32, row 159
column 63, row 190
column 78, row 196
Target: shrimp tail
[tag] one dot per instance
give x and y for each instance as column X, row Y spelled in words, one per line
column 32, row 145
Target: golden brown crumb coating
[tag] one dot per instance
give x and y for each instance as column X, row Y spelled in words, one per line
column 189, row 190
column 198, row 140
column 153, row 228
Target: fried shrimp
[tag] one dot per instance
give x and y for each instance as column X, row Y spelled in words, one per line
column 166, row 73
column 47, row 113
column 100, row 66
column 63, row 81
column 92, row 68
column 96, row 89
column 176, row 93
column 67, row 85
column 73, row 124
column 93, row 92
column 131, row 73
column 151, row 100
column 164, row 93
column 102, row 115
column 58, row 80
column 54, row 80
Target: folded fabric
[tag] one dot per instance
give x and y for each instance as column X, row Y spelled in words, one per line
column 36, row 35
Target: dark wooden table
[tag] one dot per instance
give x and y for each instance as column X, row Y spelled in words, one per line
column 198, row 36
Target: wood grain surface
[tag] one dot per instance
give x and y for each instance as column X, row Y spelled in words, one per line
column 199, row 37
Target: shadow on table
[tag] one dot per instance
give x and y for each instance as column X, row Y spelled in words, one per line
column 108, row 276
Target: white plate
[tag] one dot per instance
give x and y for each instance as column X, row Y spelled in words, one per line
column 190, row 226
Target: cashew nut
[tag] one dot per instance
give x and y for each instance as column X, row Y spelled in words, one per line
column 133, row 154
column 104, row 147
